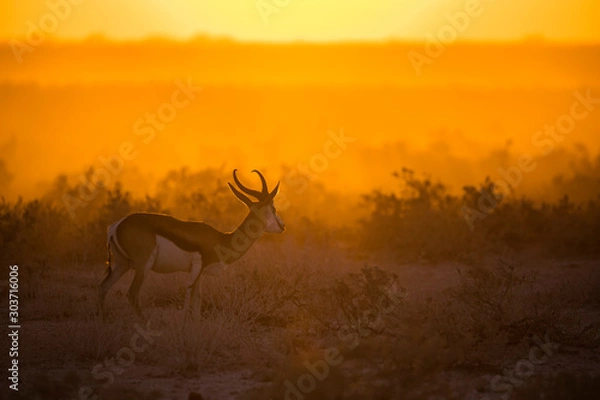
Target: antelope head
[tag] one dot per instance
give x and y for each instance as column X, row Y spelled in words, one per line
column 264, row 204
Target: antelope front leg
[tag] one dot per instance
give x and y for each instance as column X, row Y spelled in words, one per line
column 141, row 268
column 113, row 275
column 186, row 304
column 196, row 297
column 192, row 300
column 193, row 287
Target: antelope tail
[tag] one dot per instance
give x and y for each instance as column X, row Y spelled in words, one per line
column 108, row 261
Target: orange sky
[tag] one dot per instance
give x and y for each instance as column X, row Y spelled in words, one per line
column 467, row 112
column 314, row 20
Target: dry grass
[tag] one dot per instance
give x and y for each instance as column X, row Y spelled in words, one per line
column 270, row 315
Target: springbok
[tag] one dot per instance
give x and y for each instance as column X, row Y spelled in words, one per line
column 160, row 243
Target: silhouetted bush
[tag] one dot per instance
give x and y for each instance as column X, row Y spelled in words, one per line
column 423, row 222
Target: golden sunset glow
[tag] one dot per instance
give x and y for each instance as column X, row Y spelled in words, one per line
column 309, row 20
column 92, row 70
column 300, row 199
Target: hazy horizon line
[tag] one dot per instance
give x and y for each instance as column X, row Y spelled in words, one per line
column 207, row 38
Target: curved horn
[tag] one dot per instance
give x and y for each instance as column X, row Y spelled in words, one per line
column 244, row 199
column 264, row 190
column 247, row 190
column 274, row 191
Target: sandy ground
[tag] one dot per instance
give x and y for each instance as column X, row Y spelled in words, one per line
column 46, row 349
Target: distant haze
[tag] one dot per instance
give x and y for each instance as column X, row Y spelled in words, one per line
column 474, row 109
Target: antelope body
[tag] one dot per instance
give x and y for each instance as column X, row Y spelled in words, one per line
column 148, row 242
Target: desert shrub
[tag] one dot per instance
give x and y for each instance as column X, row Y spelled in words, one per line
column 421, row 341
column 45, row 232
column 373, row 290
column 423, row 222
column 420, row 221
column 30, row 231
column 252, row 293
column 491, row 294
column 504, row 299
column 355, row 302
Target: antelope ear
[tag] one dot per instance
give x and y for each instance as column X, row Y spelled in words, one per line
column 274, row 191
column 242, row 197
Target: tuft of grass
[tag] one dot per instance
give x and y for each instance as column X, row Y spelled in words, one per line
column 198, row 344
column 93, row 339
